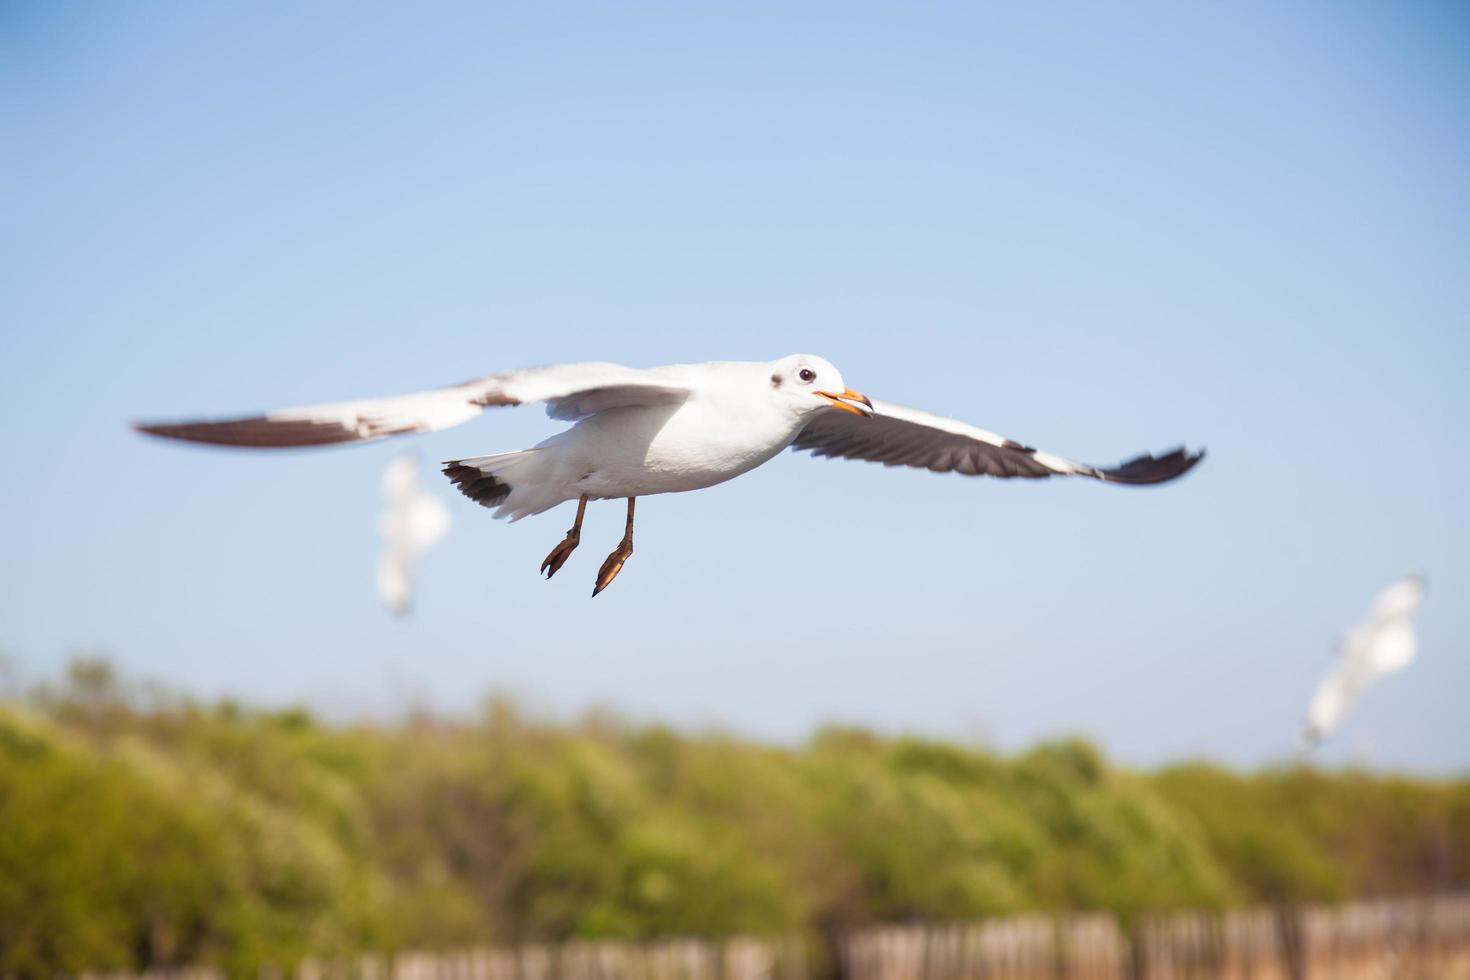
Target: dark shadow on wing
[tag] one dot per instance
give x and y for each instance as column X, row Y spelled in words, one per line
column 899, row 442
column 255, row 432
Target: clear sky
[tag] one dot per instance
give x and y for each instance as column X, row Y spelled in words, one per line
column 1100, row 229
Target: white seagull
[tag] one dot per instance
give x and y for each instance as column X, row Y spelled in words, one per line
column 414, row 522
column 667, row 429
column 1384, row 643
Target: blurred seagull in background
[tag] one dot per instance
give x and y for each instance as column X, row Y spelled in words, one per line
column 662, row 430
column 1384, row 643
column 414, row 522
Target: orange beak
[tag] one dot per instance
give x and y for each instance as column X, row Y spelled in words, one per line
column 849, row 401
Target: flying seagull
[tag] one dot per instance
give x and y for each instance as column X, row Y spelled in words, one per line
column 413, row 523
column 640, row 432
column 1384, row 643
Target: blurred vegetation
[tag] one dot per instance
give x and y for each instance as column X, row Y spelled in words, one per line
column 139, row 828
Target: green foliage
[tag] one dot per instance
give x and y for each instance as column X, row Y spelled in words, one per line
column 137, row 829
column 1302, row 835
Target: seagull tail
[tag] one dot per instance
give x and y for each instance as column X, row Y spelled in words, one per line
column 490, row 481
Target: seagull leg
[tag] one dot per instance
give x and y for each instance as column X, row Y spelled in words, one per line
column 563, row 550
column 621, row 554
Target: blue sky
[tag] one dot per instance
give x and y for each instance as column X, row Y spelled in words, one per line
column 1099, row 229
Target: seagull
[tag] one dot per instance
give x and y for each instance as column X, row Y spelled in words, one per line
column 414, row 522
column 639, row 432
column 1384, row 643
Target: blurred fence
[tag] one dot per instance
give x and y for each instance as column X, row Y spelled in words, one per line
column 1418, row 939
column 677, row 959
column 1408, row 939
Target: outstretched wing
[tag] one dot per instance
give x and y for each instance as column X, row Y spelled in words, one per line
column 899, row 436
column 571, row 392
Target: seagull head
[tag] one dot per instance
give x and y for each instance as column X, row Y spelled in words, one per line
column 810, row 384
column 401, row 476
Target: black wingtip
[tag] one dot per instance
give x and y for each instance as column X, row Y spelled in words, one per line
column 1147, row 469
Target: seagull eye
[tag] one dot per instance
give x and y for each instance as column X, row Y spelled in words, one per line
column 807, row 375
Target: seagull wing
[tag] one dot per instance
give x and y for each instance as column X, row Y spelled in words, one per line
column 427, row 522
column 1391, row 641
column 570, row 391
column 1384, row 643
column 897, row 436
column 1334, row 698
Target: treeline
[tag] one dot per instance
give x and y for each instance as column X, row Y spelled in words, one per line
column 139, row 829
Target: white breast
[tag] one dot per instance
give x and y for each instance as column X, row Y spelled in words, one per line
column 706, row 440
